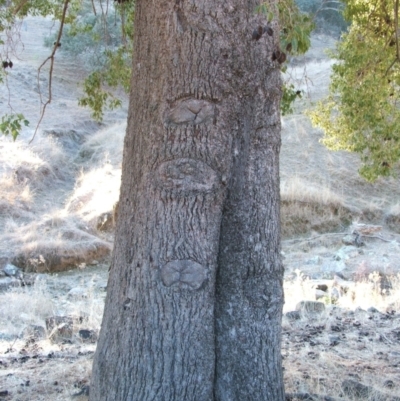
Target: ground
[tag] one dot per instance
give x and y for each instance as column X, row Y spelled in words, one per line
column 341, row 244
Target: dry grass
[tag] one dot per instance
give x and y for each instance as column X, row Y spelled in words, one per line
column 50, row 206
column 347, row 341
column 311, row 363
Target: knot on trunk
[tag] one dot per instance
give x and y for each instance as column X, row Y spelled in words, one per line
column 190, row 111
column 184, row 273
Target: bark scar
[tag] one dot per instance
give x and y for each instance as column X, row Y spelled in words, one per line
column 190, row 111
column 184, row 273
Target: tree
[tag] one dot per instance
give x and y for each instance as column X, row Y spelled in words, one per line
column 194, row 299
column 362, row 111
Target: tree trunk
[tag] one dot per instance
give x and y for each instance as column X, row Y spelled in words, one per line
column 194, row 298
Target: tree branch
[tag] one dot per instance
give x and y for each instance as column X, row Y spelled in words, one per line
column 51, row 59
column 396, row 27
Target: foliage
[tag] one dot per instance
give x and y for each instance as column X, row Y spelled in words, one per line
column 289, row 95
column 114, row 72
column 296, row 27
column 328, row 16
column 362, row 111
column 102, row 31
column 104, row 42
column 11, row 124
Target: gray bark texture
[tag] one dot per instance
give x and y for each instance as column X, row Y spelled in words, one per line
column 194, row 301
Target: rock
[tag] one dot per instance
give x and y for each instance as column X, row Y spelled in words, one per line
column 393, row 222
column 358, row 390
column 8, row 337
column 346, row 252
column 78, row 292
column 34, row 332
column 353, row 388
column 84, row 391
column 8, row 282
column 335, row 294
column 322, row 287
column 389, row 384
column 60, row 327
column 334, row 340
column 293, row 315
column 316, row 260
column 354, row 239
column 12, row 271
column 87, row 335
column 349, row 239
column 329, row 267
column 320, row 294
column 310, row 307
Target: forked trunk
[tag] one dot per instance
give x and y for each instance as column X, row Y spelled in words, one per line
column 194, row 298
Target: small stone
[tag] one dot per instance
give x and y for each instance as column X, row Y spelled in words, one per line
column 88, row 335
column 346, row 252
column 77, row 292
column 389, row 384
column 349, row 239
column 34, row 332
column 84, row 391
column 12, row 271
column 334, row 340
column 322, row 287
column 336, row 328
column 310, row 307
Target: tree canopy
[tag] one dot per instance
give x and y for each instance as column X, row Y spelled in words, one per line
column 361, row 113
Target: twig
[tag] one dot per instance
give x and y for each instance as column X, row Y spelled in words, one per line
column 396, row 27
column 51, row 58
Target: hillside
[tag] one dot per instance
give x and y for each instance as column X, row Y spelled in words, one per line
column 341, row 243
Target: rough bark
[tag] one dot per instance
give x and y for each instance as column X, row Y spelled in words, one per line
column 195, row 290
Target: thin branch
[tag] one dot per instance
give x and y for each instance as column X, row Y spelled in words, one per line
column 94, row 8
column 51, row 59
column 390, row 66
column 396, row 27
column 19, row 7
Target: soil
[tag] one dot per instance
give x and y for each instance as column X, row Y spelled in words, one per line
column 341, row 243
